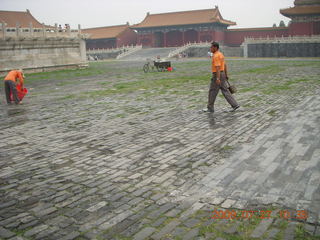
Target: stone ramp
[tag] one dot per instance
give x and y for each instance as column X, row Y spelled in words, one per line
column 148, row 53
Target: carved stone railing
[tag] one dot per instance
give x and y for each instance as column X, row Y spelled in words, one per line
column 44, row 32
column 307, row 42
column 129, row 51
column 186, row 46
column 110, row 50
column 313, row 38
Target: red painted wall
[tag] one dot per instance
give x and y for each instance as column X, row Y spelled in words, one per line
column 174, row 39
column 190, row 36
column 219, row 37
column 301, row 28
column 146, row 40
column 127, row 37
column 232, row 37
column 236, row 37
column 206, row 36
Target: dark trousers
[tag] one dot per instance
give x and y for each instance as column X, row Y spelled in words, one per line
column 10, row 87
column 214, row 89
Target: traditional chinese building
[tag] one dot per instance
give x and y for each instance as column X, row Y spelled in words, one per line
column 22, row 20
column 110, row 37
column 305, row 17
column 178, row 28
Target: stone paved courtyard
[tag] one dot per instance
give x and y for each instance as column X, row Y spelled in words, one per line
column 110, row 152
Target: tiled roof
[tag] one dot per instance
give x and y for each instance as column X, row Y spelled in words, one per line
column 306, row 2
column 183, row 18
column 105, row 32
column 11, row 18
column 301, row 10
column 257, row 29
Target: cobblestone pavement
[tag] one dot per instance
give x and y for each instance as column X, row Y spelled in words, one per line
column 128, row 155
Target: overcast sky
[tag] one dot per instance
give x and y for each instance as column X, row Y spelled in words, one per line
column 95, row 13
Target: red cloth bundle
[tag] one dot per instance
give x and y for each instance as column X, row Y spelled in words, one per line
column 21, row 92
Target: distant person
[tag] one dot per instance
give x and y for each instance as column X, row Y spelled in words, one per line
column 218, row 80
column 66, row 27
column 10, row 82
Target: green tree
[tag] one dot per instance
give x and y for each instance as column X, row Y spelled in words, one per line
column 282, row 24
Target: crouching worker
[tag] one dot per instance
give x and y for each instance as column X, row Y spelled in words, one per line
column 10, row 82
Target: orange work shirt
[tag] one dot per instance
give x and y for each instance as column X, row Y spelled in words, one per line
column 217, row 61
column 14, row 75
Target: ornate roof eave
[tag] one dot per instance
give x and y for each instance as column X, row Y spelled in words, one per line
column 300, row 11
column 106, row 29
column 223, row 22
column 258, row 29
column 110, row 38
column 306, row 2
column 32, row 19
column 193, row 17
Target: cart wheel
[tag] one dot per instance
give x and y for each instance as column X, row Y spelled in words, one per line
column 146, row 68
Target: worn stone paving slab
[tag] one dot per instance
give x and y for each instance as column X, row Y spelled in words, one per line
column 285, row 172
column 117, row 166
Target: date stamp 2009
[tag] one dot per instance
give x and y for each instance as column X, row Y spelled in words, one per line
column 262, row 214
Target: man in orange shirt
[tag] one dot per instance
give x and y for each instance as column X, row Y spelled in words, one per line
column 10, row 82
column 218, row 80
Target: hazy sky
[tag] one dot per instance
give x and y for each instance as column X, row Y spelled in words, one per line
column 95, row 13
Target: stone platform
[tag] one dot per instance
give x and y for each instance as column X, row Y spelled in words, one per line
column 119, row 154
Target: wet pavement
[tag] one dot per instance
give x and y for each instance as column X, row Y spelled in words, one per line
column 128, row 155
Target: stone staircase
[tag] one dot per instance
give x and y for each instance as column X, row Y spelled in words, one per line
column 191, row 49
column 187, row 46
column 129, row 51
column 148, row 53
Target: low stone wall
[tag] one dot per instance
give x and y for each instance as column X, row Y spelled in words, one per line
column 39, row 54
column 232, row 51
column 196, row 52
column 284, row 50
column 102, row 55
column 283, row 47
column 203, row 51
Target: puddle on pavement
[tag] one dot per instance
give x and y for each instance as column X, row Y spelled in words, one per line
column 19, row 115
column 212, row 121
column 15, row 111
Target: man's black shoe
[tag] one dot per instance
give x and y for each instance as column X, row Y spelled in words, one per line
column 235, row 108
column 208, row 110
